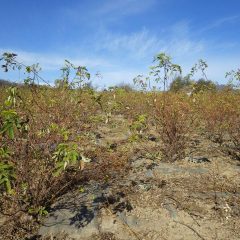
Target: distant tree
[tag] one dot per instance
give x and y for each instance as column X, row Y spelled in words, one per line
column 162, row 72
column 234, row 78
column 203, row 85
column 6, row 83
column 121, row 86
column 60, row 83
column 127, row 87
column 224, row 87
column 164, row 69
column 89, row 86
column 180, row 83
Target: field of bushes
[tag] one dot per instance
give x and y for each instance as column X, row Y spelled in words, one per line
column 49, row 134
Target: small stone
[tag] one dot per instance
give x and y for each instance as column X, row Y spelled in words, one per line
column 152, row 138
column 98, row 135
column 198, row 159
column 113, row 146
column 2, row 220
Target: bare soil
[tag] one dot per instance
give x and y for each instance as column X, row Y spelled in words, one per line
column 153, row 199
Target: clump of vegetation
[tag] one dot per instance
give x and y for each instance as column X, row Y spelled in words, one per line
column 180, row 84
column 220, row 114
column 203, row 85
column 39, row 142
column 48, row 134
column 160, row 74
column 174, row 122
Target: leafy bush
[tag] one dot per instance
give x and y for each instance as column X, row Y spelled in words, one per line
column 6, row 176
column 39, row 142
column 173, row 115
column 203, row 85
column 221, row 116
column 181, row 84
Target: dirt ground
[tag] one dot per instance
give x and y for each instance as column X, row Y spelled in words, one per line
column 197, row 197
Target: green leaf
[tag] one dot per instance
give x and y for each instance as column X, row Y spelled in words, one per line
column 11, row 132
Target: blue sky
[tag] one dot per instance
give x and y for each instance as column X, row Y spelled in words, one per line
column 120, row 37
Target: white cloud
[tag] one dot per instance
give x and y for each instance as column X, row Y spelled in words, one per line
column 127, row 55
column 145, row 44
column 105, row 12
column 220, row 22
column 137, row 44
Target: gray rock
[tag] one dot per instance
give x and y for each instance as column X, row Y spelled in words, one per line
column 197, row 159
column 3, row 219
column 170, row 169
column 152, row 138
